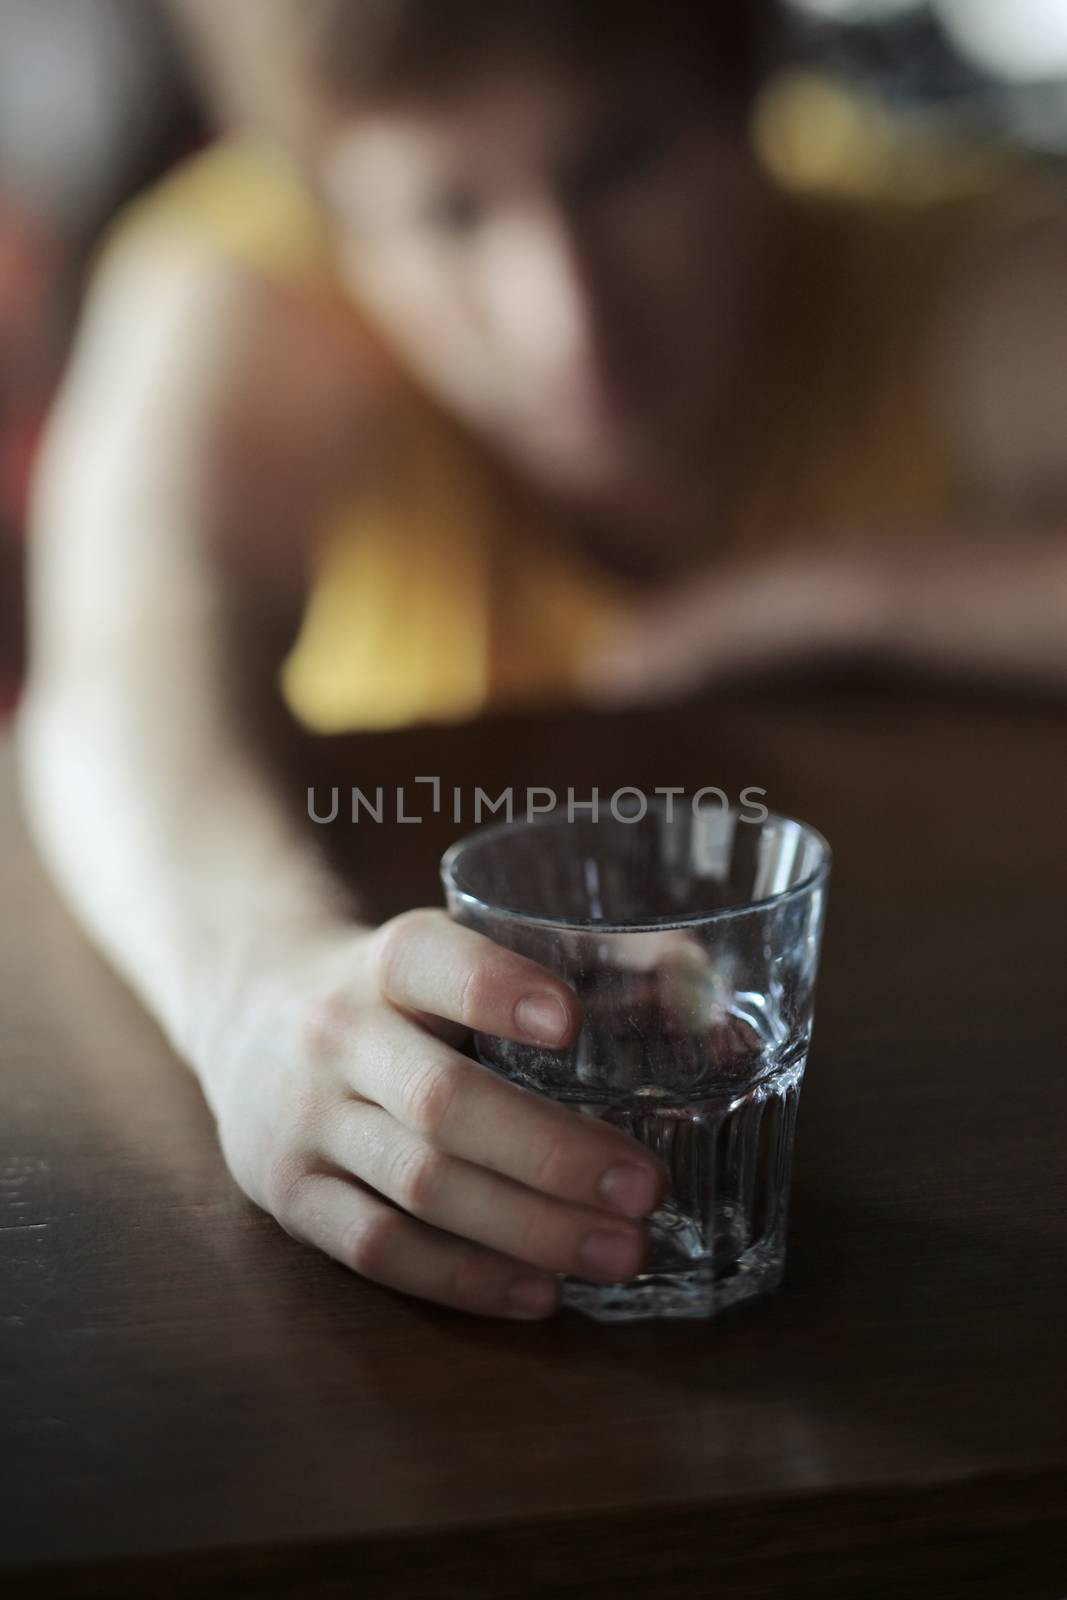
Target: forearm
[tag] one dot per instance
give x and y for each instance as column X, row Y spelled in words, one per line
column 979, row 608
column 162, row 824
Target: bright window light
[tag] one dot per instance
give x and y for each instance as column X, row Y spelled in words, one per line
column 1022, row 40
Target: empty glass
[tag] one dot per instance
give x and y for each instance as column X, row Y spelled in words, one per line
column 691, row 936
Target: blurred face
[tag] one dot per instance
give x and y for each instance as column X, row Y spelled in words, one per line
column 565, row 266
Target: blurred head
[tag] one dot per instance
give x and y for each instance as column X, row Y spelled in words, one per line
column 548, row 207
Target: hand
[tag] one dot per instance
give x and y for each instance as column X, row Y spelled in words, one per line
column 742, row 620
column 346, row 1110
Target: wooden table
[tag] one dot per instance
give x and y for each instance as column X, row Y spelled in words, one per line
column 194, row 1403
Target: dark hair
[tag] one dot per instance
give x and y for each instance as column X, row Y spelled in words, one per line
column 362, row 47
column 263, row 57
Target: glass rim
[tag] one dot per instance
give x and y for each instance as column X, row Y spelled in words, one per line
column 496, row 830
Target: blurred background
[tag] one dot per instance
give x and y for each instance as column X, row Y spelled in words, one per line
column 916, row 97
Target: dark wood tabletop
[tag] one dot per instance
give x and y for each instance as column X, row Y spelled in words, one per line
column 194, row 1403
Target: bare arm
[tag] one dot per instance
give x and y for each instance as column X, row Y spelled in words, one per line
column 167, row 581
column 985, row 599
column 959, row 609
column 149, row 731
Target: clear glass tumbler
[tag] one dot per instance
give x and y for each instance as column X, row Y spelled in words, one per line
column 691, row 936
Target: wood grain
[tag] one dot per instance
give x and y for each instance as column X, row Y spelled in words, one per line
column 193, row 1403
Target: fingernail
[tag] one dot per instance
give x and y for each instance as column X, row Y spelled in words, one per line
column 608, row 1255
column 532, row 1297
column 630, row 1189
column 542, row 1017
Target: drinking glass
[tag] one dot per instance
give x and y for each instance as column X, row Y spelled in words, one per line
column 691, row 936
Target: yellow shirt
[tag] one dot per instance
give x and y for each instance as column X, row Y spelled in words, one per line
column 439, row 591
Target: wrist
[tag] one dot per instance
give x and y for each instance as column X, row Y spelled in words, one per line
column 240, row 1001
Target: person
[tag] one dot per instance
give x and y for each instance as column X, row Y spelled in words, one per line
column 481, row 365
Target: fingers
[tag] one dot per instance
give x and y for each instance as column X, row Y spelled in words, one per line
column 426, row 962
column 466, row 1110
column 385, row 1245
column 467, row 1200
